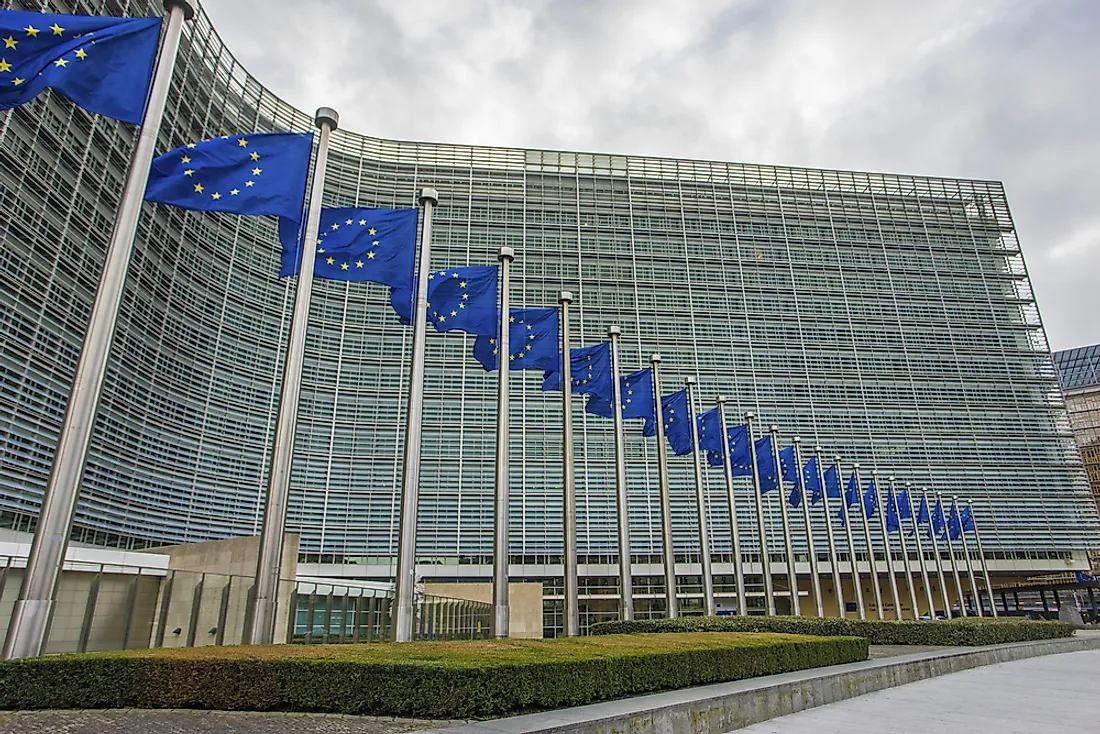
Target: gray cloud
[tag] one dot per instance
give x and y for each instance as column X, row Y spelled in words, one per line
column 992, row 89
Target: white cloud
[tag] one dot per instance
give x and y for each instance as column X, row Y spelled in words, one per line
column 993, row 89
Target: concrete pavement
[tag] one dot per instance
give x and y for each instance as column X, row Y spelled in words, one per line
column 1043, row 694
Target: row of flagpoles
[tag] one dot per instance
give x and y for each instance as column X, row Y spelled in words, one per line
column 268, row 174
column 741, row 454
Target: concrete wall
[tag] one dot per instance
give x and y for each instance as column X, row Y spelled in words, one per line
column 524, row 603
column 207, row 578
column 122, row 600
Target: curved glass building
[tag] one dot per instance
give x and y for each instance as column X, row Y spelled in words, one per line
column 888, row 318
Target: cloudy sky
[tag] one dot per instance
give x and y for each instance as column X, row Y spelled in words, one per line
column 992, row 89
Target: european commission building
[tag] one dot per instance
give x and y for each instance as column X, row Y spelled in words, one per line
column 887, row 318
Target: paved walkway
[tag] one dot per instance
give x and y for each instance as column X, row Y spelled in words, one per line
column 1053, row 693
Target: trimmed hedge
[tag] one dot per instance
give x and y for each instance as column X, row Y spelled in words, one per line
column 964, row 631
column 440, row 680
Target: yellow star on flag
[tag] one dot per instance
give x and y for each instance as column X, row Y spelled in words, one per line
column 31, row 31
column 57, row 30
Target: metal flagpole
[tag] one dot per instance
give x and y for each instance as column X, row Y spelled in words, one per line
column 815, row 572
column 981, row 558
column 969, row 562
column 939, row 559
column 500, row 521
column 735, row 532
column 569, row 487
column 31, row 614
column 886, row 547
column 668, row 552
column 920, row 552
column 270, row 560
column 904, row 551
column 833, row 561
column 792, row 572
column 761, row 527
column 954, row 562
column 405, row 582
column 871, row 561
column 626, row 578
column 700, row 500
column 857, row 584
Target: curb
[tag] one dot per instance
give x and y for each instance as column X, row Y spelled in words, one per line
column 725, row 707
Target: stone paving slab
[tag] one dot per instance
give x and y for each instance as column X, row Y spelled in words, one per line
column 136, row 721
column 1055, row 693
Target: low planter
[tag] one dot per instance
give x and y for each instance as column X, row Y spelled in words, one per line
column 966, row 631
column 434, row 680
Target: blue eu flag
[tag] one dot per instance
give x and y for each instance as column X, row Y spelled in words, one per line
column 893, row 522
column 376, row 245
column 789, row 470
column 459, row 298
column 832, row 482
column 870, row 499
column 710, row 437
column 905, row 507
column 532, row 341
column 967, row 520
column 590, row 370
column 256, row 174
column 740, row 446
column 737, row 442
column 765, row 464
column 637, row 392
column 922, row 511
column 851, row 498
column 939, row 522
column 678, row 417
column 954, row 524
column 102, row 64
column 812, row 480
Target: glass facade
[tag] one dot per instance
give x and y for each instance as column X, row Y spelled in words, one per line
column 1079, row 370
column 888, row 318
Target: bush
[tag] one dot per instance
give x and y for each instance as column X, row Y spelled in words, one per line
column 965, row 631
column 440, row 680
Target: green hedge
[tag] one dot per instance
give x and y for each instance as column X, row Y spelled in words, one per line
column 441, row 680
column 965, row 631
